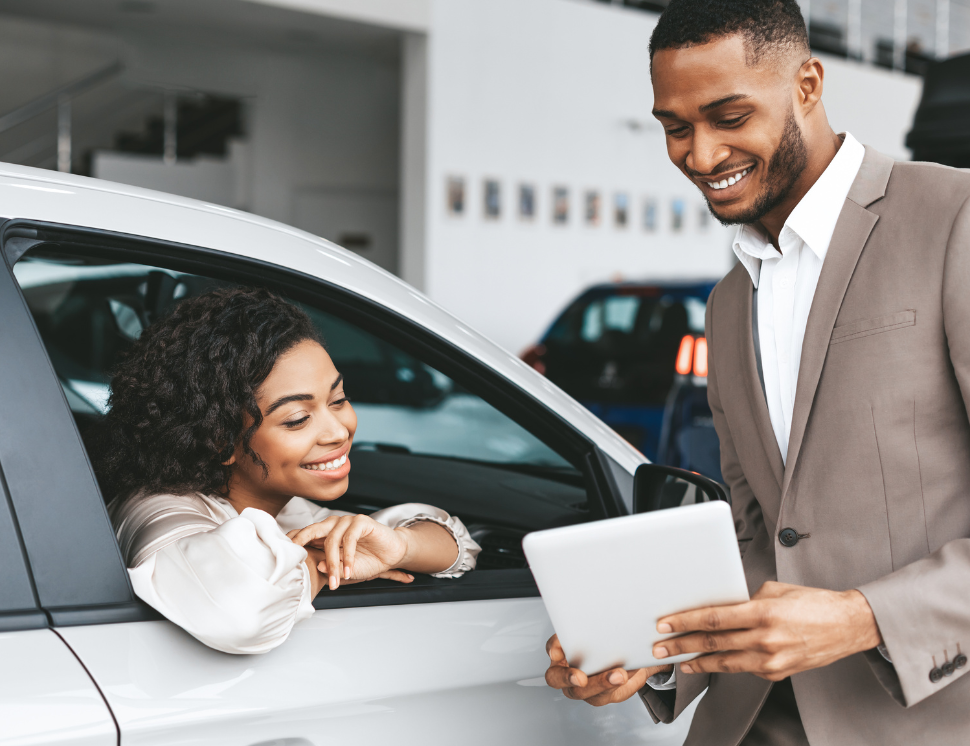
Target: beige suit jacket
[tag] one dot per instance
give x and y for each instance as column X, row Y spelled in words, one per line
column 878, row 472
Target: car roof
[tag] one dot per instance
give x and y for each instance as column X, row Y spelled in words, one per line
column 67, row 199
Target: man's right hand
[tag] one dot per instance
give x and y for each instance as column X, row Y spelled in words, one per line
column 615, row 685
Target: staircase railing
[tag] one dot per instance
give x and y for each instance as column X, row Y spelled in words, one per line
column 61, row 99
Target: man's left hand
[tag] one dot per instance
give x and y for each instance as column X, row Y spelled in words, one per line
column 782, row 630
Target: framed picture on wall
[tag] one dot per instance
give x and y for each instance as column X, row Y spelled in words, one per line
column 591, row 213
column 649, row 220
column 560, row 205
column 621, row 209
column 703, row 216
column 455, row 195
column 492, row 196
column 677, row 214
column 527, row 201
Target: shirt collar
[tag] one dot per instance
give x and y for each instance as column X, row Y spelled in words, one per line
column 814, row 217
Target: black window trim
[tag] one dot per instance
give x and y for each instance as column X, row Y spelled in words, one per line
column 384, row 323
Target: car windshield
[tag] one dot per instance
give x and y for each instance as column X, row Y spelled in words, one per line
column 619, row 345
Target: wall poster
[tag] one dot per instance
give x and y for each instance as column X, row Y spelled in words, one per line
column 560, row 205
column 455, row 195
column 592, row 212
column 527, row 201
column 492, row 195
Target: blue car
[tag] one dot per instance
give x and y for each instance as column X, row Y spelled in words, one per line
column 634, row 353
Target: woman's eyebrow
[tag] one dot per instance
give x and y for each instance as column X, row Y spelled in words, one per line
column 286, row 400
column 337, row 382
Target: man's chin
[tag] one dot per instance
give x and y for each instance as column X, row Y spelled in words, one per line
column 730, row 215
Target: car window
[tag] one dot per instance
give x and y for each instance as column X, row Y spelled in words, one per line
column 422, row 436
column 619, row 346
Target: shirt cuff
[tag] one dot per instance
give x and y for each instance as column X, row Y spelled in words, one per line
column 468, row 548
column 663, row 682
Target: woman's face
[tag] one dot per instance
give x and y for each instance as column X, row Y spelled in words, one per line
column 308, row 427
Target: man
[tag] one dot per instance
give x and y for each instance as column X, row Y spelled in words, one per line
column 839, row 380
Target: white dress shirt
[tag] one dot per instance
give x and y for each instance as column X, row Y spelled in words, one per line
column 785, row 284
column 233, row 580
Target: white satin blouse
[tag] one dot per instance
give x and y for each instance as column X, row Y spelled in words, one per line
column 235, row 581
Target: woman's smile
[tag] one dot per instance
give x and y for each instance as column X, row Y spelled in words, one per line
column 334, row 466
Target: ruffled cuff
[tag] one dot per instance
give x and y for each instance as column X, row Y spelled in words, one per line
column 468, row 548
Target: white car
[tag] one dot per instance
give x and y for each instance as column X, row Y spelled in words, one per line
column 446, row 417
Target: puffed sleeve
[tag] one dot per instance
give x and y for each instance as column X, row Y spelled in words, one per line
column 238, row 587
column 402, row 516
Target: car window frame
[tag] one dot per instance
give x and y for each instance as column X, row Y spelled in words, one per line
column 19, row 604
column 605, row 500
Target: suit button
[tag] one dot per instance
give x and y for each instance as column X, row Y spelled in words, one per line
column 960, row 661
column 788, row 537
column 936, row 675
column 948, row 668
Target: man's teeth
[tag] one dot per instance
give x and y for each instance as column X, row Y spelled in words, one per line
column 730, row 181
column 328, row 466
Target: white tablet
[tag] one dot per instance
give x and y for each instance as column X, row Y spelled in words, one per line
column 605, row 584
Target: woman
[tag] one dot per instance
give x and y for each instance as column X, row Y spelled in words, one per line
column 226, row 418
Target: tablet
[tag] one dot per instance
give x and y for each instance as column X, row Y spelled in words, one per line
column 605, row 584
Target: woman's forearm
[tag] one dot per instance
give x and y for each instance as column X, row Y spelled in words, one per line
column 317, row 579
column 430, row 548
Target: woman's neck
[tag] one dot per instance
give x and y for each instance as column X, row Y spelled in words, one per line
column 241, row 498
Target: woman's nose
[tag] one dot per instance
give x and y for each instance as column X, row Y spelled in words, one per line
column 332, row 430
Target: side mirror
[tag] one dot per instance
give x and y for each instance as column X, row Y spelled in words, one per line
column 656, row 487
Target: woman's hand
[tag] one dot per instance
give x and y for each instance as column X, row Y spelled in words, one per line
column 355, row 548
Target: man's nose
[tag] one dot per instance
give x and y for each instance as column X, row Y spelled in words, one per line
column 706, row 154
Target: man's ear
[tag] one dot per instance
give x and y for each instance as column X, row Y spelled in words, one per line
column 809, row 79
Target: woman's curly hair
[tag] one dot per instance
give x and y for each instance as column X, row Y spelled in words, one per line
column 181, row 395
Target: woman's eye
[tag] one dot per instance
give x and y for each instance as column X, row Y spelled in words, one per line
column 296, row 423
column 340, row 402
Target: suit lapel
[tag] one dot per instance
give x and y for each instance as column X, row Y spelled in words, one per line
column 752, row 383
column 850, row 236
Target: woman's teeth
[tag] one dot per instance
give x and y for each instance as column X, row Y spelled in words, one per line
column 730, row 181
column 328, row 466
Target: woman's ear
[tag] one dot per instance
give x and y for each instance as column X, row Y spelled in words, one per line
column 230, row 461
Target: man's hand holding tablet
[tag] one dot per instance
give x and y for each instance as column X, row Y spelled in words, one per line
column 604, row 688
column 782, row 630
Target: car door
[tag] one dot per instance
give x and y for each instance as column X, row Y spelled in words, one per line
column 46, row 696
column 430, row 662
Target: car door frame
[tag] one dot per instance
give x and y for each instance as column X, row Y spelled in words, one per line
column 94, row 588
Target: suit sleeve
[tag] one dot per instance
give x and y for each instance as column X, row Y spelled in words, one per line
column 922, row 609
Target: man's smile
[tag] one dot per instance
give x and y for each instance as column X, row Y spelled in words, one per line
column 727, row 187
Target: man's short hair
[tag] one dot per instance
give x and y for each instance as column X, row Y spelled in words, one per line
column 766, row 25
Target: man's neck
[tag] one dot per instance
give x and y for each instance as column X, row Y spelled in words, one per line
column 822, row 150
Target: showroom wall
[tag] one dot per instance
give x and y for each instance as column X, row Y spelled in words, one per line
column 556, row 94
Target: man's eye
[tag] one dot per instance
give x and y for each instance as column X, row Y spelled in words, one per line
column 297, row 423
column 677, row 131
column 731, row 122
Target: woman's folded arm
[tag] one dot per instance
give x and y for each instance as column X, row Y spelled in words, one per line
column 239, row 587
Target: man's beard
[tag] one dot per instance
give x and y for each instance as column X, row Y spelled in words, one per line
column 786, row 165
